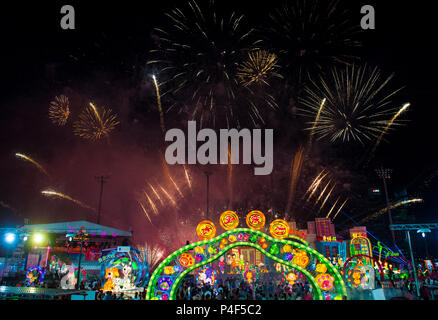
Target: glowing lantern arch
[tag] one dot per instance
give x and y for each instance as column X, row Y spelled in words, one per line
column 300, row 261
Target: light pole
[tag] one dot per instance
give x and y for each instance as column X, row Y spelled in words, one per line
column 386, row 174
column 413, row 263
column 102, row 180
column 81, row 235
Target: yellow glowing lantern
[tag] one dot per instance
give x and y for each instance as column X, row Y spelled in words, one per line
column 255, row 220
column 232, row 238
column 206, row 229
column 301, row 260
column 287, row 248
column 321, row 268
column 186, row 260
column 279, row 229
column 229, row 220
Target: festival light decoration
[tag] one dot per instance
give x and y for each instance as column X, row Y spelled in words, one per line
column 279, row 229
column 165, row 283
column 253, row 239
column 229, row 220
column 206, row 229
column 321, row 268
column 251, row 274
column 325, row 281
column 289, row 277
column 255, row 220
column 206, row 276
column 186, row 260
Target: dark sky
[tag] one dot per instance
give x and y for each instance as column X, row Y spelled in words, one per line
column 111, row 42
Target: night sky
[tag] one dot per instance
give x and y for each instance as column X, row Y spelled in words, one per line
column 104, row 60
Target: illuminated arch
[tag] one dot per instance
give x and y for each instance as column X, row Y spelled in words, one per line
column 360, row 240
column 270, row 247
column 382, row 276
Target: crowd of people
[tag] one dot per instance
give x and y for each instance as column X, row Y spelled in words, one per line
column 235, row 288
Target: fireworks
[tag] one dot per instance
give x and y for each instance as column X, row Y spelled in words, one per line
column 59, row 110
column 357, row 106
column 340, row 208
column 36, row 164
column 390, row 123
column 198, row 55
column 168, row 195
column 160, row 109
column 151, row 203
column 156, row 193
column 151, row 254
column 64, row 196
column 145, row 212
column 398, row 204
column 95, row 123
column 260, row 66
column 311, row 33
column 187, row 177
column 296, row 170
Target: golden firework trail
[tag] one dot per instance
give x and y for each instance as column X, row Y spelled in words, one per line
column 176, row 186
column 340, row 208
column 316, row 185
column 59, row 110
column 334, row 205
column 36, row 164
column 398, row 204
column 312, row 132
column 296, row 170
column 145, row 212
column 168, row 195
column 230, row 178
column 326, row 198
column 156, row 193
column 152, row 204
column 64, row 196
column 187, row 177
column 160, row 109
column 402, row 109
column 257, row 68
column 323, row 191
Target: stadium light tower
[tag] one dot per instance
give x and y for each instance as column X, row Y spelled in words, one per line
column 386, row 174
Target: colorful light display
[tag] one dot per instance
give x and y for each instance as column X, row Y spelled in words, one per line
column 165, row 283
column 206, row 276
column 279, row 229
column 186, row 260
column 206, row 230
column 325, row 281
column 229, row 220
column 251, row 274
column 255, row 220
column 34, row 275
column 272, row 248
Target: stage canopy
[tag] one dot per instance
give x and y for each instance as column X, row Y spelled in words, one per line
column 74, row 226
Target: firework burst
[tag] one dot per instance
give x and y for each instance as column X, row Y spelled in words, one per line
column 59, row 110
column 53, row 193
column 35, row 163
column 198, row 55
column 357, row 106
column 260, row 66
column 151, row 254
column 95, row 123
column 310, row 34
